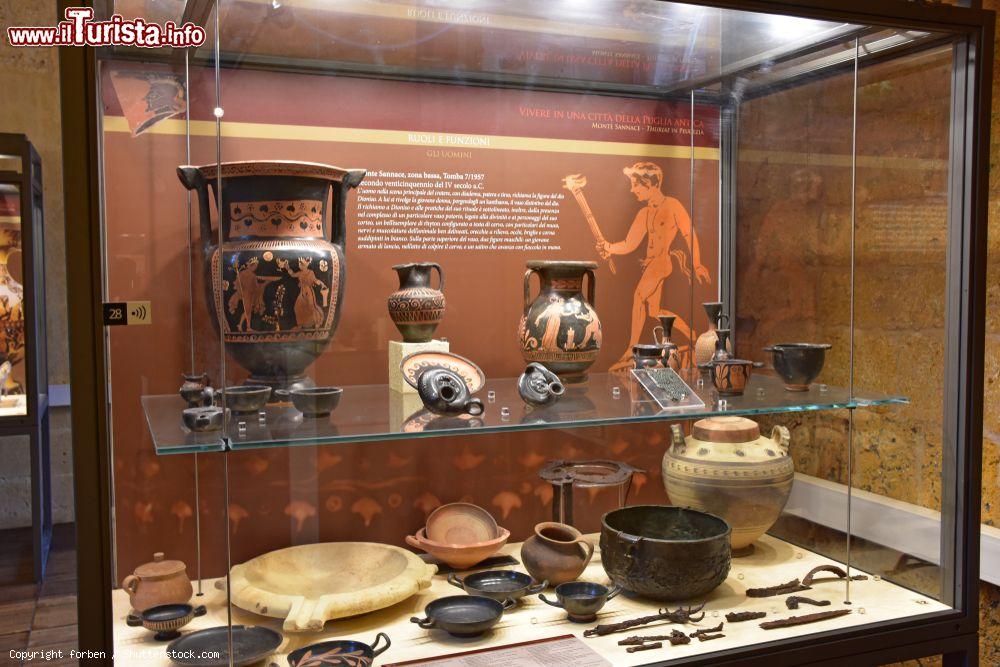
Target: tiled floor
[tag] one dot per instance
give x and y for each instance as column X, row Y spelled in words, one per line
column 32, row 617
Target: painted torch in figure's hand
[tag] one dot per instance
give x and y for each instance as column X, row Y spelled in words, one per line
column 575, row 184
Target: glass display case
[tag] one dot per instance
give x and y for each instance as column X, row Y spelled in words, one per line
column 616, row 332
column 24, row 385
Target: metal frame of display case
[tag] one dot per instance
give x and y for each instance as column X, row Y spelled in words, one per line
column 952, row 634
column 34, row 424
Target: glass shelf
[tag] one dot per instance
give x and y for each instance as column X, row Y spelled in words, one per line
column 373, row 412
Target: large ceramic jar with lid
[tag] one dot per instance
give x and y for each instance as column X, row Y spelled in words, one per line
column 725, row 467
column 157, row 583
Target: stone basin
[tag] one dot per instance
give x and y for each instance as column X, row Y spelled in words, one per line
column 310, row 584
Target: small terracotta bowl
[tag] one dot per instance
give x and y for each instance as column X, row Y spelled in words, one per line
column 459, row 556
column 461, row 523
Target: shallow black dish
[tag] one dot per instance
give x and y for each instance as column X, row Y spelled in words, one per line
column 798, row 364
column 463, row 615
column 246, row 399
column 665, row 553
column 498, row 584
column 165, row 620
column 581, row 599
column 345, row 653
column 250, row 644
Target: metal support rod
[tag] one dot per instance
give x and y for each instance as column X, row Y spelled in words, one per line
column 850, row 413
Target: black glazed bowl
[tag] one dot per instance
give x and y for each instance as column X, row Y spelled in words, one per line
column 498, row 584
column 463, row 615
column 246, row 399
column 165, row 620
column 581, row 599
column 314, row 401
column 798, row 364
column 345, row 653
column 665, row 553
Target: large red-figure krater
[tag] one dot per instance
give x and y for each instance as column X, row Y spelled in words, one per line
column 276, row 284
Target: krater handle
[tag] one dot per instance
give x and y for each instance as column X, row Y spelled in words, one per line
column 527, row 290
column 192, row 179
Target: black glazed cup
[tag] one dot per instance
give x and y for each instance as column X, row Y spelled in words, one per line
column 245, row 399
column 498, row 584
column 463, row 615
column 345, row 653
column 312, row 401
column 581, row 599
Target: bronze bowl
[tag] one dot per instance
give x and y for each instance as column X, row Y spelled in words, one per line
column 665, row 553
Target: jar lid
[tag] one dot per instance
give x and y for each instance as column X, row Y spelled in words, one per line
column 725, row 429
column 159, row 567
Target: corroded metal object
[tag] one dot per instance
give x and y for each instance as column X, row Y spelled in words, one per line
column 707, row 637
column 680, row 615
column 675, row 637
column 740, row 616
column 565, row 475
column 665, row 553
column 793, row 602
column 793, row 586
column 832, row 569
column 644, row 647
column 802, row 620
column 706, row 631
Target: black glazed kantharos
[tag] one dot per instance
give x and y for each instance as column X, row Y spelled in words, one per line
column 165, row 620
column 463, row 615
column 581, row 599
column 798, row 364
column 498, row 584
column 345, row 653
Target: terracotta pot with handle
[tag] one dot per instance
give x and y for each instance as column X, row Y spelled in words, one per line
column 158, row 583
column 556, row 552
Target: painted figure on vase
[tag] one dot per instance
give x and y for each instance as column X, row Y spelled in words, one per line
column 661, row 219
column 308, row 313
column 249, row 293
